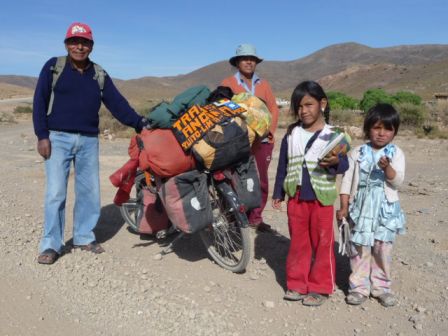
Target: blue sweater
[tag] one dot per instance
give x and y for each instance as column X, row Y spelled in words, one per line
column 306, row 189
column 77, row 101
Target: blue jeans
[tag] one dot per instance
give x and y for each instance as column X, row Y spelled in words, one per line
column 83, row 150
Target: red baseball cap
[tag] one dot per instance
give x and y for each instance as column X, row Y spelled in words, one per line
column 78, row 29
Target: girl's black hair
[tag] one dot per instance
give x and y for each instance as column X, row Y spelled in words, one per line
column 385, row 113
column 312, row 89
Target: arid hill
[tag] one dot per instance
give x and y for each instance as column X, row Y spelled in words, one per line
column 8, row 91
column 348, row 67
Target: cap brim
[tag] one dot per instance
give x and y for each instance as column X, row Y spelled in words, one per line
column 79, row 36
column 233, row 60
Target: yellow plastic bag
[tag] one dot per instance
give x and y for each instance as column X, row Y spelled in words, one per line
column 257, row 115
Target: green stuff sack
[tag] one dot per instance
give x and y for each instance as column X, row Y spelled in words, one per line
column 165, row 114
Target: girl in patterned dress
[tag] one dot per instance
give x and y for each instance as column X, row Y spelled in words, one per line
column 369, row 198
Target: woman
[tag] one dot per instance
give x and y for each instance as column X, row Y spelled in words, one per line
column 246, row 80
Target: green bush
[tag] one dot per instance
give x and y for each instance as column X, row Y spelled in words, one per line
column 374, row 96
column 411, row 115
column 406, row 97
column 23, row 109
column 340, row 101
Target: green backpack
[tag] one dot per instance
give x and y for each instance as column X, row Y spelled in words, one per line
column 57, row 69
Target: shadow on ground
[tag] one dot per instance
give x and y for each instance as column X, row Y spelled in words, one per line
column 274, row 249
column 109, row 223
column 188, row 247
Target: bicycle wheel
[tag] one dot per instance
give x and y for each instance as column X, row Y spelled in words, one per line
column 129, row 209
column 227, row 239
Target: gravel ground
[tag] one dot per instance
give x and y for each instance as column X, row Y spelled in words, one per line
column 127, row 291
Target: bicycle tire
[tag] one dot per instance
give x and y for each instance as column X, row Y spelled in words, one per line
column 129, row 209
column 227, row 239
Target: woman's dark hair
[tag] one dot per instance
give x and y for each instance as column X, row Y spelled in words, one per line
column 385, row 113
column 305, row 88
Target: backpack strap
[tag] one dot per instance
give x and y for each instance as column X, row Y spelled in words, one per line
column 100, row 76
column 56, row 71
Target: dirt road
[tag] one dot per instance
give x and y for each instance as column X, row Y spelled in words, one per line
column 125, row 291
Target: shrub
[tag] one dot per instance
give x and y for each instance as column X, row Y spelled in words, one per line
column 407, row 97
column 431, row 132
column 108, row 122
column 374, row 96
column 411, row 115
column 23, row 109
column 340, row 101
column 6, row 117
column 345, row 117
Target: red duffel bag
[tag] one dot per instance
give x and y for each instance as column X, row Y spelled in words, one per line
column 162, row 154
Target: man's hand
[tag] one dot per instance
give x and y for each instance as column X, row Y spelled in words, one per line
column 44, row 148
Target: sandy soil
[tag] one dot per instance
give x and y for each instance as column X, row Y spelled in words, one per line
column 126, row 291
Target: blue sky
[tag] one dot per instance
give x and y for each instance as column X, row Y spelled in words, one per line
column 165, row 38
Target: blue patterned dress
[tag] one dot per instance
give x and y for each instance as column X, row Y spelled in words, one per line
column 373, row 216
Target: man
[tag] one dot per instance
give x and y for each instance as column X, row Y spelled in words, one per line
column 246, row 80
column 65, row 115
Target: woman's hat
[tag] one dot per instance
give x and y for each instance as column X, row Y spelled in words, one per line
column 79, row 29
column 244, row 50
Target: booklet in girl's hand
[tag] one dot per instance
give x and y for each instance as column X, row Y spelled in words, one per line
column 340, row 141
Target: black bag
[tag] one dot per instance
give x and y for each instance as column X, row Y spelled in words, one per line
column 224, row 145
column 246, row 183
column 186, row 201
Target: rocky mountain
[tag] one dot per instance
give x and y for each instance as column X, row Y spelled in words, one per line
column 349, row 67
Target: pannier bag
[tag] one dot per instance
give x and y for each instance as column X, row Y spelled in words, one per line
column 162, row 154
column 246, row 183
column 186, row 201
column 224, row 145
column 257, row 115
column 151, row 216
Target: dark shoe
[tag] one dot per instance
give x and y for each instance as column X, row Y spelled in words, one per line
column 314, row 299
column 291, row 295
column 47, row 257
column 355, row 299
column 93, row 247
column 262, row 227
column 387, row 300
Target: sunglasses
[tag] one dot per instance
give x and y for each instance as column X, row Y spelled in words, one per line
column 79, row 40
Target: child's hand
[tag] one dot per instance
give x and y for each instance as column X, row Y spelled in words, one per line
column 384, row 162
column 277, row 204
column 331, row 159
column 341, row 213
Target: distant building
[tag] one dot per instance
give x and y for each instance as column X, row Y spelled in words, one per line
column 441, row 96
column 282, row 102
